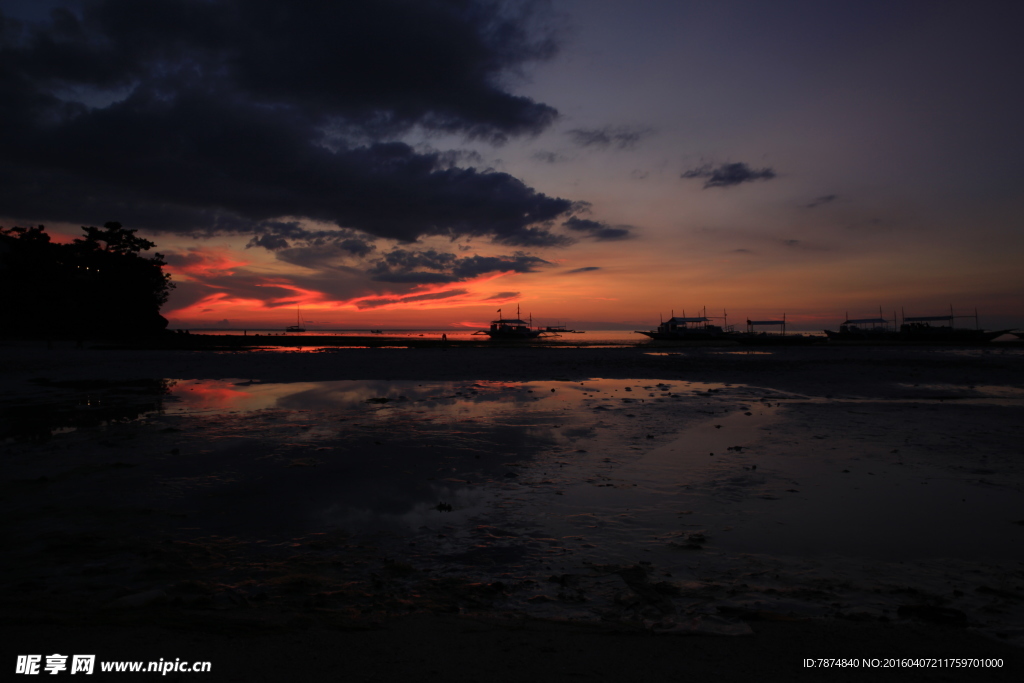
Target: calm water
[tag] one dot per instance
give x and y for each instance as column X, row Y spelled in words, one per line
column 589, row 337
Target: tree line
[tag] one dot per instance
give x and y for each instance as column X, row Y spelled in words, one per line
column 97, row 285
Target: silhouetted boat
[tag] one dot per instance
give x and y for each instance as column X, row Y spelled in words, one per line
column 297, row 327
column 914, row 330
column 865, row 330
column 510, row 328
column 921, row 329
column 688, row 329
column 560, row 329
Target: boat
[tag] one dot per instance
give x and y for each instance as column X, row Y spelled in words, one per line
column 752, row 337
column 913, row 330
column 561, row 329
column 376, row 331
column 920, row 329
column 297, row 327
column 870, row 330
column 511, row 328
column 688, row 329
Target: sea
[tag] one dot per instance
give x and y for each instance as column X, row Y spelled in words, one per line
column 587, row 337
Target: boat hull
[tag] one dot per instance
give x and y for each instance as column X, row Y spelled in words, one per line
column 778, row 339
column 694, row 335
column 918, row 336
column 533, row 334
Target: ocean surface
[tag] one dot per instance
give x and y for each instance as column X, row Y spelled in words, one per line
column 589, row 337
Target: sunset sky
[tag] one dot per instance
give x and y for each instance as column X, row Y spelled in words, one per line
column 422, row 163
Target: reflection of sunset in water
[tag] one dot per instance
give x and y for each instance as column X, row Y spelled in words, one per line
column 385, row 398
column 227, row 395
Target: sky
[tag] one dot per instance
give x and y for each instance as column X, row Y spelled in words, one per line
column 598, row 163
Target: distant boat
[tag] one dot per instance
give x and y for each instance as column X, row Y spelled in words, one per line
column 376, row 331
column 511, row 328
column 297, row 327
column 560, row 329
column 913, row 330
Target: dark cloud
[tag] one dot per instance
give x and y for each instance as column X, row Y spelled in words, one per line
column 433, row 267
column 601, row 232
column 502, row 296
column 549, row 157
column 280, row 236
column 621, row 137
column 742, row 251
column 727, row 175
column 791, row 243
column 821, row 200
column 209, row 116
column 585, row 269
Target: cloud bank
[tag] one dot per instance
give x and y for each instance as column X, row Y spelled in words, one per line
column 215, row 116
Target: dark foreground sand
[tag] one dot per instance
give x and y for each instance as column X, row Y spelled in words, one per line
column 66, row 588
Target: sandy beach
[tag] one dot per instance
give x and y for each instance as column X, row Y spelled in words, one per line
column 476, row 513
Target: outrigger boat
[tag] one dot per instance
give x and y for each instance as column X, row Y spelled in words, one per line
column 511, row 328
column 688, row 329
column 920, row 329
column 865, row 330
column 913, row 330
column 754, row 338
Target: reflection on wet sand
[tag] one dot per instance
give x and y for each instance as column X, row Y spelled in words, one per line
column 702, row 501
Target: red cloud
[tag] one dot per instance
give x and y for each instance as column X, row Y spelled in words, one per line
column 200, row 263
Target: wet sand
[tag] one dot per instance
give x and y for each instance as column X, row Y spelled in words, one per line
column 485, row 513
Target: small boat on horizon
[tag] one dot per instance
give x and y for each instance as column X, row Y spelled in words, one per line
column 561, row 329
column 297, row 327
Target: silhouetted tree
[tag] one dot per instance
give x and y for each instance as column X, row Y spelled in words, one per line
column 98, row 284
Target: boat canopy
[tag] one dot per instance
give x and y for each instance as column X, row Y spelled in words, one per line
column 688, row 320
column 864, row 321
column 766, row 322
column 928, row 318
column 509, row 321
